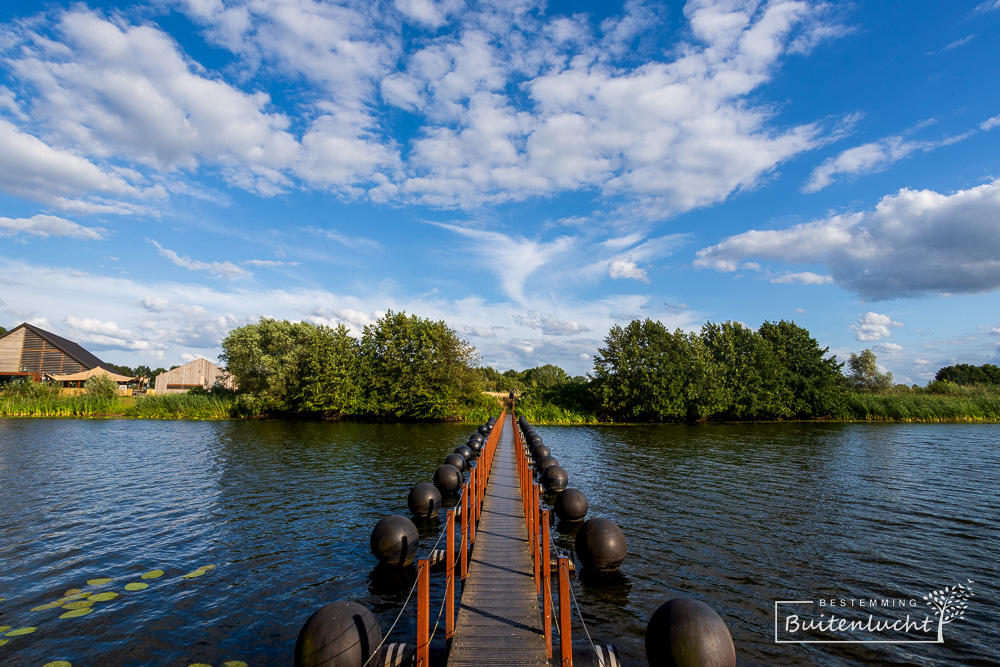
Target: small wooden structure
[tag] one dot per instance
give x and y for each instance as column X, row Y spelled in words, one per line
column 200, row 373
column 78, row 381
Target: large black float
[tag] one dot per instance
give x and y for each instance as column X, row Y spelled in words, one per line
column 554, row 478
column 394, row 541
column 424, row 500
column 545, row 462
column 571, row 505
column 600, row 545
column 448, row 479
column 688, row 633
column 338, row 634
column 457, row 460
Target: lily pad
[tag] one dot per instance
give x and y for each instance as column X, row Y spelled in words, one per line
column 20, row 631
column 50, row 605
column 75, row 613
column 104, row 597
column 73, row 591
column 79, row 604
column 199, row 664
column 196, row 573
column 58, row 663
column 136, row 586
column 3, row 641
column 99, row 580
column 153, row 574
column 235, row 663
column 207, row 567
column 5, row 628
column 75, row 596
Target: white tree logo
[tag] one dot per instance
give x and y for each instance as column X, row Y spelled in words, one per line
column 951, row 603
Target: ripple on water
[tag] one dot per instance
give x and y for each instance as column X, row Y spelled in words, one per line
column 737, row 516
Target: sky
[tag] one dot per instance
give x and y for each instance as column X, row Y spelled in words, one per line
column 531, row 173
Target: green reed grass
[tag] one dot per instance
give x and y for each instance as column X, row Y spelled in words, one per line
column 922, row 407
column 168, row 406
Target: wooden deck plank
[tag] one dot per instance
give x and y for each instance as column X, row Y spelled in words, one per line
column 499, row 622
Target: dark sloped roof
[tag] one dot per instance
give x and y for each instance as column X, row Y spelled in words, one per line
column 74, row 350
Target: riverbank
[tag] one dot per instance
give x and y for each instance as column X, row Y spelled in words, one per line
column 903, row 406
column 167, row 406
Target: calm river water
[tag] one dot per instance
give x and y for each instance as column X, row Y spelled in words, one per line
column 740, row 517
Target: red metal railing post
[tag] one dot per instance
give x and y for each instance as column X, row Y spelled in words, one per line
column 465, row 531
column 473, row 518
column 449, row 588
column 565, row 640
column 423, row 612
column 546, row 585
column 536, row 542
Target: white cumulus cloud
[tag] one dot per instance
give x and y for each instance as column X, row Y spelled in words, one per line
column 49, row 225
column 912, row 243
column 874, row 326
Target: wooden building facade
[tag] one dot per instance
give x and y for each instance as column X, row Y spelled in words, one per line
column 30, row 352
column 198, row 373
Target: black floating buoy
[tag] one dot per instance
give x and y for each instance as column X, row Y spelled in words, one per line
column 465, row 452
column 448, row 479
column 584, row 654
column 338, row 634
column 554, row 478
column 477, row 436
column 688, row 633
column 538, row 451
column 483, row 430
column 571, row 505
column 425, row 499
column 475, row 445
column 535, row 439
column 456, row 460
column 394, row 541
column 600, row 545
column 546, row 461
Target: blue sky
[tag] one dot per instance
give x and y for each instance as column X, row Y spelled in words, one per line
column 531, row 173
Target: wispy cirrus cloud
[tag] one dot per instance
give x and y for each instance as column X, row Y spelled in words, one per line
column 218, row 269
column 872, row 158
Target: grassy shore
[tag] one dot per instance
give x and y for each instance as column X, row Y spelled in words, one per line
column 938, row 404
column 169, row 406
column 947, row 404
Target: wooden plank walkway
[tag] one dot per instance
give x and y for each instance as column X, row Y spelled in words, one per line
column 499, row 622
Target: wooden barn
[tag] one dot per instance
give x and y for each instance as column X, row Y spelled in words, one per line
column 198, row 373
column 30, row 352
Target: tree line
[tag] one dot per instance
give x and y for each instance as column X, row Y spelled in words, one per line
column 406, row 367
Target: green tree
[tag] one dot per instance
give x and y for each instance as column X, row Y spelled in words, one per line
column 123, row 370
column 264, row 360
column 751, row 375
column 864, row 375
column 101, row 386
column 813, row 382
column 969, row 374
column 415, row 367
column 545, row 377
column 330, row 373
column 645, row 372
